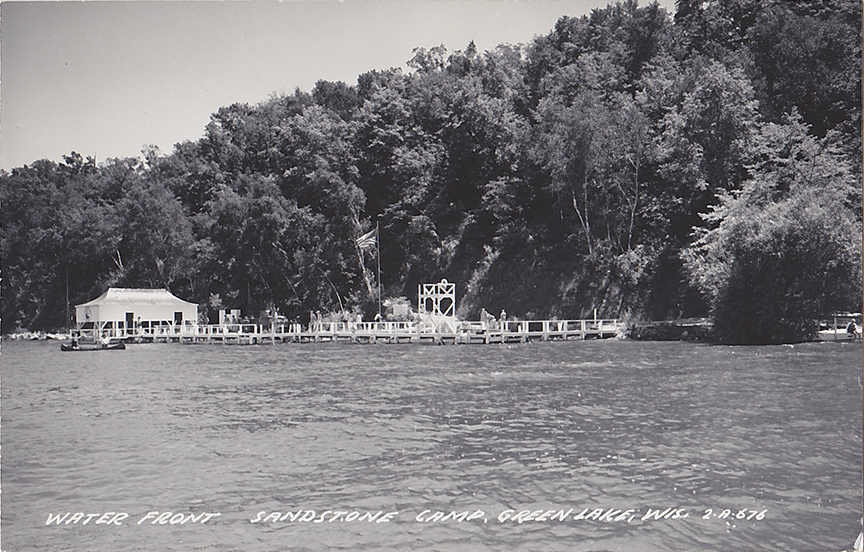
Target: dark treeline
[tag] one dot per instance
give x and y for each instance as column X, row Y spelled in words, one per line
column 628, row 161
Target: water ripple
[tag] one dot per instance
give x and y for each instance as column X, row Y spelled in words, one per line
column 608, row 425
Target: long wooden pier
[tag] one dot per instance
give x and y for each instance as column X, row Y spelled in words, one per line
column 511, row 331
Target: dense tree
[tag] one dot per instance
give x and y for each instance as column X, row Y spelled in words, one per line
column 809, row 62
column 155, row 238
column 786, row 247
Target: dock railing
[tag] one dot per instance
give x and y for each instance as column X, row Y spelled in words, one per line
column 390, row 331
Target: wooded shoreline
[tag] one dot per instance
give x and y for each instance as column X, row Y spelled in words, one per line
column 631, row 162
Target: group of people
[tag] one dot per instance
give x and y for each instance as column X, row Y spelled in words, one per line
column 490, row 321
column 104, row 340
column 316, row 320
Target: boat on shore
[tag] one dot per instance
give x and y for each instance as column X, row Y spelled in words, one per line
column 840, row 327
column 114, row 347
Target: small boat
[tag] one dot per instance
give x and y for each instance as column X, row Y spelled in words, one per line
column 115, row 347
column 842, row 327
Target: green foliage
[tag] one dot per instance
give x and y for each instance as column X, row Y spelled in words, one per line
column 620, row 162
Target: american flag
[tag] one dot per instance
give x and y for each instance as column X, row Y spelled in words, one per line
column 367, row 241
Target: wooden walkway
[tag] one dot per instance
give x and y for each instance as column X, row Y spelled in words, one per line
column 520, row 331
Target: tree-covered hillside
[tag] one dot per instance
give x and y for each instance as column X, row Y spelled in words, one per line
column 629, row 161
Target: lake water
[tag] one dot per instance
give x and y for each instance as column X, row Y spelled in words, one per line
column 537, row 446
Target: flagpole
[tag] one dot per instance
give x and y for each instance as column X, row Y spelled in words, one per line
column 378, row 247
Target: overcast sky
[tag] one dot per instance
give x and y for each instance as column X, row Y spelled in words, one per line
column 107, row 78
